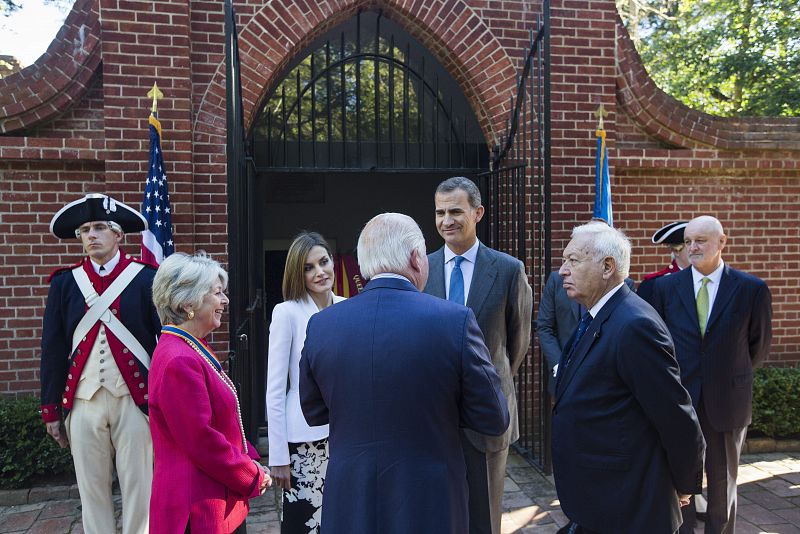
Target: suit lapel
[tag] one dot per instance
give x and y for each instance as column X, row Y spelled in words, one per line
column 686, row 294
column 728, row 285
column 435, row 284
column 483, row 276
column 588, row 340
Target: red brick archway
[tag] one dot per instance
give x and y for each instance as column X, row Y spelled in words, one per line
column 452, row 31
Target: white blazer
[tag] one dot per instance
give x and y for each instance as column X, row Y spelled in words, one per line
column 285, row 421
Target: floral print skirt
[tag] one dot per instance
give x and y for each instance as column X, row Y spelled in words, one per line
column 302, row 505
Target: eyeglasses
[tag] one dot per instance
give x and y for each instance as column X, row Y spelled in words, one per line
column 677, row 248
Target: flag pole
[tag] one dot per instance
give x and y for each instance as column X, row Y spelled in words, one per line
column 602, row 199
column 157, row 241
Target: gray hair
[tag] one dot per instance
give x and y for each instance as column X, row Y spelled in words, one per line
column 386, row 243
column 115, row 227
column 606, row 241
column 184, row 280
column 466, row 185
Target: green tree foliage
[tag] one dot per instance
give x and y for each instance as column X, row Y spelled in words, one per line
column 726, row 57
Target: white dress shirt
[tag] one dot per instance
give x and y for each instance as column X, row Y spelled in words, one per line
column 602, row 302
column 108, row 267
column 467, row 268
column 712, row 286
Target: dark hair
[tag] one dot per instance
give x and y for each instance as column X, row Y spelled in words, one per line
column 466, row 185
column 294, row 283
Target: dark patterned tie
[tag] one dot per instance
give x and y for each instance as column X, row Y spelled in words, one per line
column 586, row 320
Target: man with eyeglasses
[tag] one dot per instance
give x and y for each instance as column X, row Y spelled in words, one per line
column 670, row 235
column 99, row 329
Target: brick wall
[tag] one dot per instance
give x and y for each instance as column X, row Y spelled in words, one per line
column 86, row 130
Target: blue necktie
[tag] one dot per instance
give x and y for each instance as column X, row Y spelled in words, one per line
column 586, row 320
column 456, row 282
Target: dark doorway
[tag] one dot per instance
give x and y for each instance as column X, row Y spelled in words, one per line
column 367, row 121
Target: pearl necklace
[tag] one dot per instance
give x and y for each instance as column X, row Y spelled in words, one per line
column 208, row 357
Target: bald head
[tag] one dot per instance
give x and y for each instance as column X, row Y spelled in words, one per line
column 704, row 238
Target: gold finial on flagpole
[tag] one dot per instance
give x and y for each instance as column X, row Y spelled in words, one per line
column 600, row 114
column 156, row 94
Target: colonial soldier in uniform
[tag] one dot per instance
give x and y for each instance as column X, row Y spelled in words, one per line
column 100, row 328
column 670, row 235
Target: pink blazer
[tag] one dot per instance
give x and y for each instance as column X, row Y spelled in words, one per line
column 201, row 474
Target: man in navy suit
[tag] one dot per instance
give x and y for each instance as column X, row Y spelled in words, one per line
column 627, row 446
column 558, row 318
column 495, row 287
column 721, row 321
column 396, row 373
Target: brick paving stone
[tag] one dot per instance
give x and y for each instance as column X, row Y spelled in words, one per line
column 742, row 527
column 781, row 487
column 793, row 478
column 264, row 528
column 18, row 521
column 764, row 498
column 784, row 528
column 68, row 508
column 758, row 515
column 516, row 499
column 792, row 515
column 48, row 493
column 52, row 526
column 510, row 485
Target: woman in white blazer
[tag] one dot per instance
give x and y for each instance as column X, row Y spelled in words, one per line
column 298, row 453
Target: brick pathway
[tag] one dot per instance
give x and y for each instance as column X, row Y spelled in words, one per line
column 769, row 502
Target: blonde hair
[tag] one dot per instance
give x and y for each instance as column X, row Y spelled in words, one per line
column 184, row 280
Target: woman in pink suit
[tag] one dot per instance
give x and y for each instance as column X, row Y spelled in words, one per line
column 205, row 470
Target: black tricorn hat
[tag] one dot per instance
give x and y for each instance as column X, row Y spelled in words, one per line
column 671, row 234
column 95, row 207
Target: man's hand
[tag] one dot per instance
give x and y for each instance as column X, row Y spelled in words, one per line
column 282, row 476
column 54, row 429
column 684, row 499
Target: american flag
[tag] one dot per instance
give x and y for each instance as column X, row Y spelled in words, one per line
column 157, row 239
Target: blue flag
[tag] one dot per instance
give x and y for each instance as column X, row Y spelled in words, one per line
column 157, row 239
column 602, row 195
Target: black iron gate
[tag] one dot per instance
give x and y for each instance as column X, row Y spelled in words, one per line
column 516, row 195
column 246, row 309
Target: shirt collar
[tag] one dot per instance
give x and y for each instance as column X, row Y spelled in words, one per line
column 392, row 275
column 600, row 303
column 714, row 277
column 108, row 267
column 470, row 255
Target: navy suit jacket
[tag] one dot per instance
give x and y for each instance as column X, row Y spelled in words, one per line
column 558, row 318
column 502, row 301
column 395, row 373
column 625, row 435
column 717, row 369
